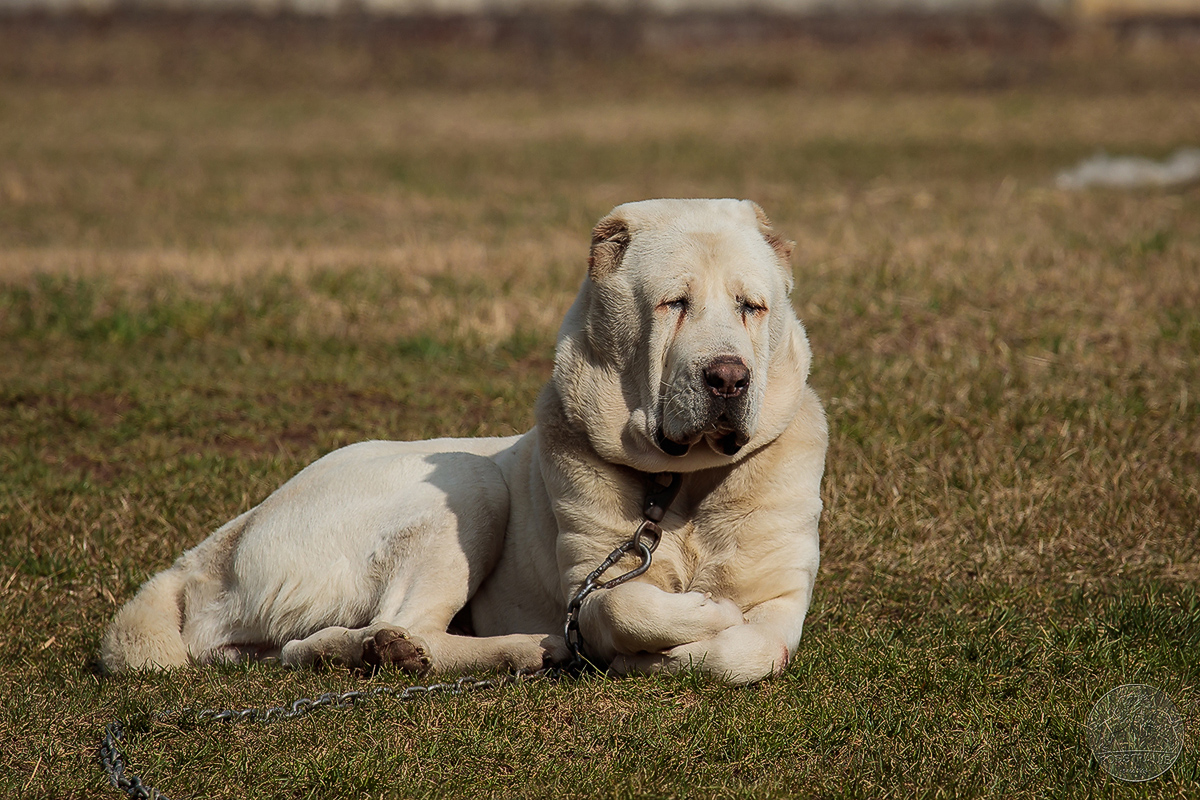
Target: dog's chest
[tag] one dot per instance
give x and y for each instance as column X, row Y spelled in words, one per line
column 695, row 558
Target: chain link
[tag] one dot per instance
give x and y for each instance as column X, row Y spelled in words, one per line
column 592, row 582
column 112, row 761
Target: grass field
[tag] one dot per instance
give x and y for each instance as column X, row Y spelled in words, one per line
column 223, row 254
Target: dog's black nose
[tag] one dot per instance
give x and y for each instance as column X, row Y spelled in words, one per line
column 727, row 376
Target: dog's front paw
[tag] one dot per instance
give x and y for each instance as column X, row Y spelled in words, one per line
column 728, row 613
column 393, row 647
column 554, row 651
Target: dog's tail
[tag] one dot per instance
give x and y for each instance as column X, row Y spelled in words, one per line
column 147, row 631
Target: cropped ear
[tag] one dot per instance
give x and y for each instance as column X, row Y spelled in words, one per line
column 610, row 237
column 781, row 246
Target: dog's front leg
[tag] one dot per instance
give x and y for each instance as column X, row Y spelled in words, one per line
column 739, row 654
column 639, row 617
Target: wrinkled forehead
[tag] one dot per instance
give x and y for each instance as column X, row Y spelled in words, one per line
column 724, row 252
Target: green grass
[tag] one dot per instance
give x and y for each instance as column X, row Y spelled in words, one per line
column 214, row 270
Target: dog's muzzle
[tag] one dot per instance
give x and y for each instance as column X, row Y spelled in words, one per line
column 723, row 382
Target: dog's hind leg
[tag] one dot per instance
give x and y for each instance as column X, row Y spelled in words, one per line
column 450, row 654
column 379, row 644
column 385, row 645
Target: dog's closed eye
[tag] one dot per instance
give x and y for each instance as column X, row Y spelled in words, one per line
column 751, row 308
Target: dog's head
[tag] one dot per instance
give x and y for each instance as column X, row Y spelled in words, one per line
column 682, row 350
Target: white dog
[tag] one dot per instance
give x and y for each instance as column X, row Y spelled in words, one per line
column 682, row 354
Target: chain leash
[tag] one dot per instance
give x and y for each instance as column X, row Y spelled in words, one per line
column 659, row 497
column 112, row 758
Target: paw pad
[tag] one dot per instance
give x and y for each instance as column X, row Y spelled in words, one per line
column 392, row 647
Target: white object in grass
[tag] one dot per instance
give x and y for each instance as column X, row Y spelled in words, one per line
column 1132, row 172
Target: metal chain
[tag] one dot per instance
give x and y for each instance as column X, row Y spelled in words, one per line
column 112, row 758
column 592, row 582
column 304, row 705
column 112, row 761
column 658, row 498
